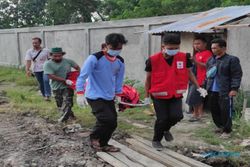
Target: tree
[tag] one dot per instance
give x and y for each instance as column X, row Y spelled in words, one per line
column 117, row 9
column 29, row 13
column 32, row 13
column 21, row 13
column 235, row 2
column 70, row 11
column 121, row 9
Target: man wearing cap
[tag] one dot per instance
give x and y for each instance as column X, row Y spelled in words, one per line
column 57, row 69
column 105, row 73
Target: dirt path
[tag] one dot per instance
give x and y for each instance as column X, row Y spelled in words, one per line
column 26, row 140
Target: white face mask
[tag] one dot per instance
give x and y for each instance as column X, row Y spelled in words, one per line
column 112, row 52
column 171, row 52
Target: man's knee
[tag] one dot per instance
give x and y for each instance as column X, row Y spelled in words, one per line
column 176, row 118
column 110, row 122
column 161, row 121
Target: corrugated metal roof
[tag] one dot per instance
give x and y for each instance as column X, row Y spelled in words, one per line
column 204, row 21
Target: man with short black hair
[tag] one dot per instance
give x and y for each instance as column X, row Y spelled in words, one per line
column 223, row 80
column 168, row 72
column 38, row 56
column 105, row 73
column 58, row 69
column 202, row 54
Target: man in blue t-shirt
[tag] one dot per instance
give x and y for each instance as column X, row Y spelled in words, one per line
column 104, row 72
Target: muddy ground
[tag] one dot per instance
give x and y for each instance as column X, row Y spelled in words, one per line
column 29, row 141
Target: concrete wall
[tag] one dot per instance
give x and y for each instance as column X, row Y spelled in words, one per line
column 79, row 40
column 239, row 45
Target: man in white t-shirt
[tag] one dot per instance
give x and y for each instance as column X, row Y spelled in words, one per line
column 37, row 56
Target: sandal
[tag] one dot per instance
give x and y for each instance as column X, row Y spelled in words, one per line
column 110, row 148
column 94, row 143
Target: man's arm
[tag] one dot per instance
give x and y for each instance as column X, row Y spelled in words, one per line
column 86, row 70
column 74, row 64
column 27, row 68
column 236, row 75
column 119, row 79
column 192, row 78
column 51, row 74
column 199, row 63
column 28, row 60
column 205, row 58
column 56, row 78
column 77, row 68
column 147, row 84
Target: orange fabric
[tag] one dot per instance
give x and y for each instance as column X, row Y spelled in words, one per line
column 202, row 57
column 167, row 80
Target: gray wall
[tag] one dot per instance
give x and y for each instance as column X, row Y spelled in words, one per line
column 239, row 45
column 79, row 40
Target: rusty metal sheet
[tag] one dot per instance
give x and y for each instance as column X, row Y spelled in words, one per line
column 203, row 22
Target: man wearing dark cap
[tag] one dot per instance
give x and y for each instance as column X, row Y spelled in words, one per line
column 57, row 69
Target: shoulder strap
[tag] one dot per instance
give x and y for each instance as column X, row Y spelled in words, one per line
column 98, row 55
column 37, row 55
column 120, row 58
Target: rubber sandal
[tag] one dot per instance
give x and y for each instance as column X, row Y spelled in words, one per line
column 110, row 148
column 95, row 145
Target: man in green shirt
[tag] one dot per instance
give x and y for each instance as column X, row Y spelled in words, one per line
column 57, row 69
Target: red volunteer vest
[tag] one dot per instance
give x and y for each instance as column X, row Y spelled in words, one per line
column 168, row 81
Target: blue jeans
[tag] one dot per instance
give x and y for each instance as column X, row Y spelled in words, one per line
column 43, row 81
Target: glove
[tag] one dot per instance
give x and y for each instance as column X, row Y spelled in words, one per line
column 69, row 82
column 147, row 101
column 81, row 100
column 118, row 99
column 202, row 91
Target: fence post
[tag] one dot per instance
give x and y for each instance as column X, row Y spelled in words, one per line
column 43, row 38
column 87, row 43
column 147, row 41
column 19, row 58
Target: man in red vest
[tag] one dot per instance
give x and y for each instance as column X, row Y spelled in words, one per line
column 168, row 73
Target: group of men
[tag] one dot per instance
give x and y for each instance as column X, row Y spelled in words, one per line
column 167, row 75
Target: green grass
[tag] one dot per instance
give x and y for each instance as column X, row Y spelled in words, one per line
column 241, row 130
column 24, row 97
column 136, row 114
column 13, row 75
column 247, row 96
column 208, row 136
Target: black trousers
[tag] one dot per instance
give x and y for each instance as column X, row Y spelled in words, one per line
column 221, row 108
column 168, row 113
column 106, row 119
